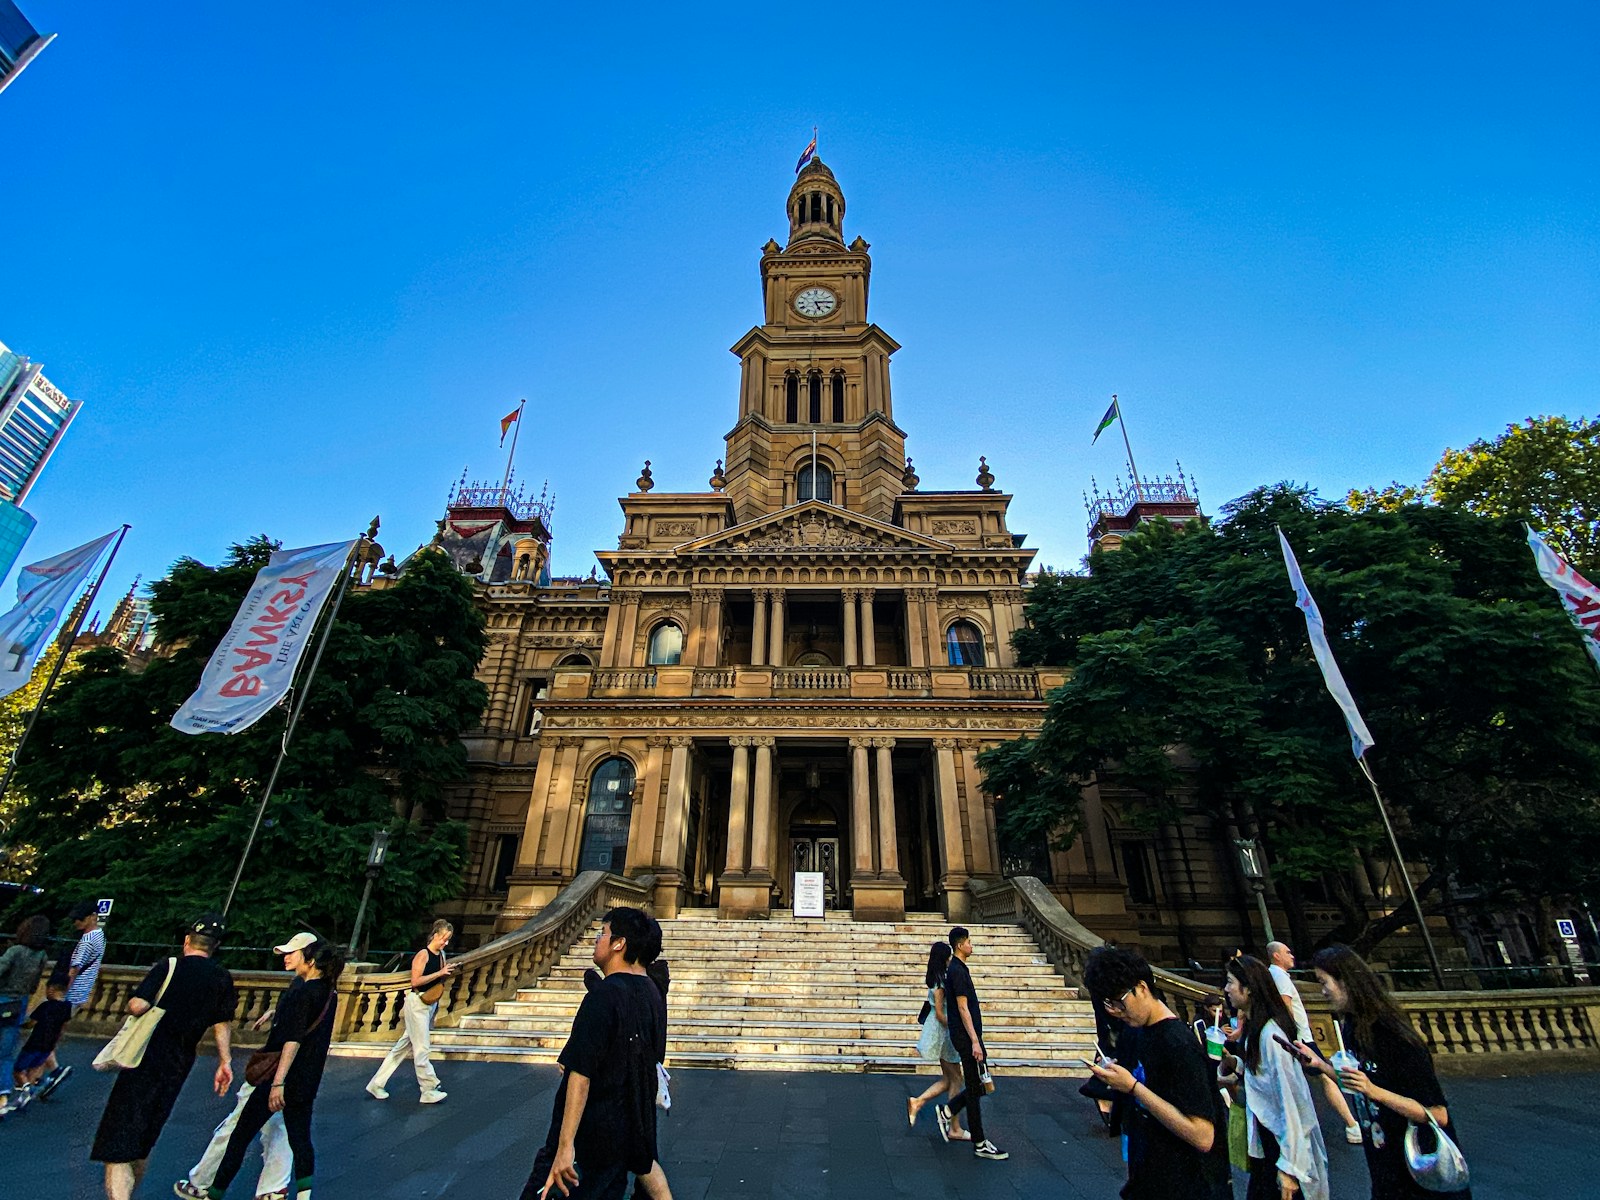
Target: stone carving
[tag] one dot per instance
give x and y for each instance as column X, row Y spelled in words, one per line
column 964, row 525
column 626, row 596
column 962, row 600
column 768, row 742
column 883, row 743
column 680, row 739
column 811, row 531
column 556, row 641
column 908, row 726
column 675, row 528
column 922, row 595
column 654, row 601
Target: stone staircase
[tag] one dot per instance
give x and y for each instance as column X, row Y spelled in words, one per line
column 786, row 995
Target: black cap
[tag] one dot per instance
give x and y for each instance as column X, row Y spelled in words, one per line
column 209, row 925
column 83, row 909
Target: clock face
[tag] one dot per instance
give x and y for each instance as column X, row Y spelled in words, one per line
column 815, row 302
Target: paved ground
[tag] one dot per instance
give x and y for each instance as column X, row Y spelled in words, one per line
column 752, row 1134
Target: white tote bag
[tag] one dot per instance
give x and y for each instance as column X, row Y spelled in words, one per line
column 126, row 1049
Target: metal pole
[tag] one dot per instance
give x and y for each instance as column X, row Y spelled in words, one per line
column 1261, row 903
column 294, row 714
column 66, row 638
column 361, row 913
column 1394, row 845
column 1138, row 487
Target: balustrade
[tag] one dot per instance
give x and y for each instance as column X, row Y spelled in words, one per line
column 716, row 679
column 992, row 681
column 811, row 679
column 624, row 681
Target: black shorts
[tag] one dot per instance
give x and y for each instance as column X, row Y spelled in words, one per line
column 598, row 1181
column 141, row 1100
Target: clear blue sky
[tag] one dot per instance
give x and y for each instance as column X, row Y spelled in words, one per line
column 297, row 260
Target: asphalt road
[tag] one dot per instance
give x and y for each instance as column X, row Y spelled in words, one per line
column 756, row 1134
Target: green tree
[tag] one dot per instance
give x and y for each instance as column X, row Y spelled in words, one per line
column 1545, row 471
column 1482, row 701
column 120, row 804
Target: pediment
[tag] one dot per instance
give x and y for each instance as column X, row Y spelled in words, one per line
column 813, row 528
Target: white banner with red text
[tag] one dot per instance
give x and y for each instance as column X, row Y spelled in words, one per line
column 44, row 596
column 1579, row 597
column 254, row 664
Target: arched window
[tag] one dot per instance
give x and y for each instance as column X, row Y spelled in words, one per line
column 830, row 210
column 817, row 487
column 816, row 207
column 838, row 397
column 964, row 641
column 666, row 645
column 575, row 660
column 791, row 397
column 610, row 809
column 814, row 395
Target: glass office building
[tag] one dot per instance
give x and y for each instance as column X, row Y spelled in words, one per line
column 34, row 416
column 20, row 42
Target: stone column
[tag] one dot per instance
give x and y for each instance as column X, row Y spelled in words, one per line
column 563, row 783
column 738, row 805
column 539, row 802
column 673, row 847
column 758, row 630
column 779, row 602
column 629, row 629
column 930, row 626
column 916, row 636
column 869, row 633
column 850, row 656
column 948, row 805
column 646, row 808
column 984, row 853
column 1000, row 607
column 761, row 809
column 888, row 837
column 860, row 808
column 613, row 634
column 709, row 602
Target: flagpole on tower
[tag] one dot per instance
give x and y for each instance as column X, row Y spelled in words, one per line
column 516, row 421
column 1138, row 488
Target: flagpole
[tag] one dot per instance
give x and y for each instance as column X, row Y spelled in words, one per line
column 506, row 486
column 1394, row 846
column 66, row 638
column 299, row 707
column 1138, row 488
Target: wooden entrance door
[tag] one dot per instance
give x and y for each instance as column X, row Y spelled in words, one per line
column 808, row 853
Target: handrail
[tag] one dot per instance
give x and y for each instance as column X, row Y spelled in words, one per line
column 1456, row 1026
column 370, row 1004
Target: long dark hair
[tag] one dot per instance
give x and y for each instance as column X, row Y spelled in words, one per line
column 1265, row 1005
column 33, row 932
column 1368, row 1003
column 329, row 959
column 938, row 959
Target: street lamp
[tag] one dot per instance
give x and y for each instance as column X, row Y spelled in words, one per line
column 1252, row 864
column 375, row 856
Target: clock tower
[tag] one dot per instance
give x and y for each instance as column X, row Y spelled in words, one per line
column 816, row 371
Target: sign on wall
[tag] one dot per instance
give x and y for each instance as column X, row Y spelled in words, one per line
column 808, row 894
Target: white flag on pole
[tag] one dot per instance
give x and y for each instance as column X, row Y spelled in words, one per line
column 1579, row 597
column 1360, row 737
column 253, row 665
column 44, row 593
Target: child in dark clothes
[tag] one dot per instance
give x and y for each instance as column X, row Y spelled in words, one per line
column 48, row 1020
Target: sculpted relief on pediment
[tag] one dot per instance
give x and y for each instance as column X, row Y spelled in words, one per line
column 811, row 531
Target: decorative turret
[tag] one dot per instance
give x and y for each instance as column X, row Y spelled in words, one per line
column 1113, row 515
column 816, row 206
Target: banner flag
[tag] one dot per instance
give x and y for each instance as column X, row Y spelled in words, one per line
column 44, row 594
column 1106, row 422
column 254, row 664
column 507, row 421
column 1579, row 597
column 1360, row 737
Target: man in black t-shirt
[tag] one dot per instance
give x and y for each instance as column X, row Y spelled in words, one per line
column 966, row 1034
column 603, row 1124
column 196, row 994
column 1174, row 1125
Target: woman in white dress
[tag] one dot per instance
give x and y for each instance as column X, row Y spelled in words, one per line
column 935, row 1045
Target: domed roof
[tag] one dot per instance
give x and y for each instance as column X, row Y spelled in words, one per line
column 815, row 167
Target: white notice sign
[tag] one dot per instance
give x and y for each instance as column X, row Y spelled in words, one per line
column 808, row 894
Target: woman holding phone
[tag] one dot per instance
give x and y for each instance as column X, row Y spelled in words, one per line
column 1288, row 1157
column 1395, row 1083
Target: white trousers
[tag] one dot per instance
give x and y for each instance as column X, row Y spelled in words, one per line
column 414, row 1042
column 277, row 1159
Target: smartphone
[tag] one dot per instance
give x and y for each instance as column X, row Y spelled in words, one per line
column 1289, row 1046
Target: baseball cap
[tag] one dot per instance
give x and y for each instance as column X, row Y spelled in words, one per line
column 209, row 925
column 84, row 909
column 298, row 942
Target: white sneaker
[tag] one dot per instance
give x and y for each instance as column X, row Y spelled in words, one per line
column 987, row 1149
column 433, row 1096
column 376, row 1092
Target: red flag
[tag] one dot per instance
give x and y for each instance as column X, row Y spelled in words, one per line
column 507, row 421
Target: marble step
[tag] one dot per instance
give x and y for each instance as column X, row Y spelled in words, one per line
column 897, row 1031
column 890, row 1008
column 1061, row 1050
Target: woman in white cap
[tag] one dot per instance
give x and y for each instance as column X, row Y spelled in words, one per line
column 276, row 1160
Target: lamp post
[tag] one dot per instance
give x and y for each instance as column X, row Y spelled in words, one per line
column 375, row 856
column 1252, row 866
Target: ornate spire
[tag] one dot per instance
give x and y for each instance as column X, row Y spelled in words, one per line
column 985, row 476
column 646, row 481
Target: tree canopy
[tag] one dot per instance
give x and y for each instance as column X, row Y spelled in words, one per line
column 1545, row 471
column 1480, row 695
column 118, row 803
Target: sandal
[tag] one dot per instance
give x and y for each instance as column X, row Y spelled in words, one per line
column 960, row 1135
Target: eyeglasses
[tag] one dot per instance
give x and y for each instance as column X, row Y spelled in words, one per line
column 1121, row 1000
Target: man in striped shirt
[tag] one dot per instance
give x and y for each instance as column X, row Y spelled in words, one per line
column 86, row 955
